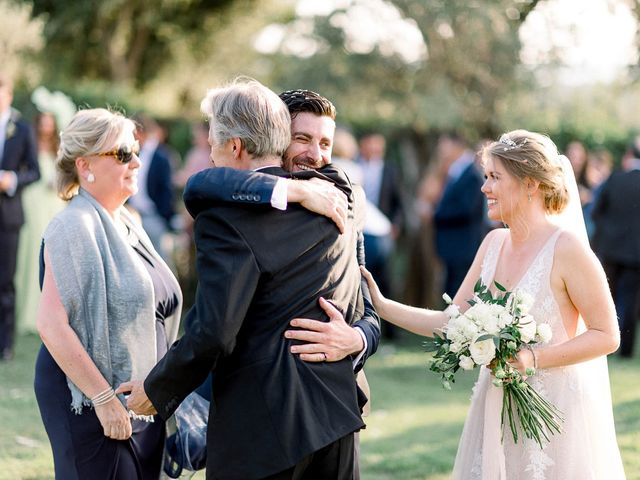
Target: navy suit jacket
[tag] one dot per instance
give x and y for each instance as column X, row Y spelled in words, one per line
column 254, row 189
column 20, row 156
column 256, row 271
column 459, row 218
column 159, row 183
column 617, row 233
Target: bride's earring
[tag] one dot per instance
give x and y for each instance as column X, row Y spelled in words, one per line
column 529, row 198
column 91, row 178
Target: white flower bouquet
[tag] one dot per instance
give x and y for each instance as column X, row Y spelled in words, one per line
column 490, row 333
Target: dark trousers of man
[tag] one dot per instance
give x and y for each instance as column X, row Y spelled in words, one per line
column 333, row 462
column 8, row 254
column 624, row 281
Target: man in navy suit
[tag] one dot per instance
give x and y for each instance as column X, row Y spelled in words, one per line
column 18, row 167
column 459, row 216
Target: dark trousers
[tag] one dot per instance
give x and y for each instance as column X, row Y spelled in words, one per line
column 8, row 254
column 624, row 281
column 333, row 462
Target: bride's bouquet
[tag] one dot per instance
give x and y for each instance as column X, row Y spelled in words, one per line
column 490, row 333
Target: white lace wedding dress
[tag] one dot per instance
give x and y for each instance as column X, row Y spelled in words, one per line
column 587, row 448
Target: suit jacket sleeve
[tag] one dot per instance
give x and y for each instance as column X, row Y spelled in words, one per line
column 228, row 276
column 232, row 186
column 370, row 321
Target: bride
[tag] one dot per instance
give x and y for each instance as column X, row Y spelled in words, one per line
column 543, row 251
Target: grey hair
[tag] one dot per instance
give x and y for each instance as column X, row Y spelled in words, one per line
column 248, row 110
column 90, row 132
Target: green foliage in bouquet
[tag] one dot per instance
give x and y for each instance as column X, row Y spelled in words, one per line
column 490, row 333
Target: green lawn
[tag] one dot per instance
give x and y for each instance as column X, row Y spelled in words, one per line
column 412, row 432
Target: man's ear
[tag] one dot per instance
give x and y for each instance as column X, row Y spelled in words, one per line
column 236, row 147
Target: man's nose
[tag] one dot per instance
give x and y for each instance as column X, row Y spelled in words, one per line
column 314, row 152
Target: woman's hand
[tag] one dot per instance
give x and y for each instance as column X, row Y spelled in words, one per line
column 523, row 361
column 377, row 298
column 114, row 419
column 320, row 196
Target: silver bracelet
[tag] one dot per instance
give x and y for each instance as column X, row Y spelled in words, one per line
column 533, row 354
column 103, row 397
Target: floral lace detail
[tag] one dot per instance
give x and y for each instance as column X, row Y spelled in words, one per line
column 539, row 461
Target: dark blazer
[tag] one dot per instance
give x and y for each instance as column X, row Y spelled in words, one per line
column 159, row 183
column 459, row 218
column 21, row 156
column 390, row 200
column 615, row 213
column 257, row 270
column 254, row 189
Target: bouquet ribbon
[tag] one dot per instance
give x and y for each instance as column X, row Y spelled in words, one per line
column 493, row 458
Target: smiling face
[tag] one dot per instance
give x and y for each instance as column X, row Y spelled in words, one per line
column 504, row 192
column 114, row 181
column 311, row 142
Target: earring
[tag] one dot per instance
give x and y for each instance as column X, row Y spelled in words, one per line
column 529, row 198
column 91, row 178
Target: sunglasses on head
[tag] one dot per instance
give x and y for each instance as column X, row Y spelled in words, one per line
column 124, row 153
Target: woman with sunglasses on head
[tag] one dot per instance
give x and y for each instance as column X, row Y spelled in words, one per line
column 109, row 309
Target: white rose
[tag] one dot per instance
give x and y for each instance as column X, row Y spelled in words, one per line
column 544, row 332
column 504, row 319
column 469, row 328
column 483, row 352
column 527, row 327
column 455, row 347
column 524, row 302
column 466, row 363
column 491, row 325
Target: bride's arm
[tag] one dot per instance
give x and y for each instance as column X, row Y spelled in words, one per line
column 580, row 275
column 423, row 321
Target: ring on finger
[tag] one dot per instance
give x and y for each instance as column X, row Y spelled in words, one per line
column 324, row 357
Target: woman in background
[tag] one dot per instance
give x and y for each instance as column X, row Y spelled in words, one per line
column 40, row 203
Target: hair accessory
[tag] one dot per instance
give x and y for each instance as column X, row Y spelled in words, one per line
column 91, row 178
column 57, row 103
column 510, row 144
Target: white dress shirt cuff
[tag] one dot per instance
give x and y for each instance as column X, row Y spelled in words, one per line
column 364, row 349
column 279, row 195
column 11, row 191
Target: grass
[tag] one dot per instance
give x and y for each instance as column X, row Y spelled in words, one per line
column 412, row 432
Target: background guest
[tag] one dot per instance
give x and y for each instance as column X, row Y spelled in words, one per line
column 616, row 240
column 381, row 183
column 40, row 202
column 459, row 218
column 18, row 168
column 154, row 200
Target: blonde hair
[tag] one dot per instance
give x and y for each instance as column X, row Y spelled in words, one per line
column 248, row 110
column 530, row 155
column 90, row 132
